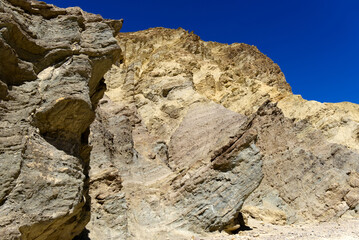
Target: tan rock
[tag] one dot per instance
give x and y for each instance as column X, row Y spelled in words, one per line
column 352, row 198
column 184, row 185
column 189, row 135
column 168, row 81
column 354, row 179
column 52, row 63
column 269, row 215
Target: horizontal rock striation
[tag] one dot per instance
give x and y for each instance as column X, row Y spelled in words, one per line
column 51, row 78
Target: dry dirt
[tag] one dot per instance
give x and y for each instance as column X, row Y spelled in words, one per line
column 343, row 230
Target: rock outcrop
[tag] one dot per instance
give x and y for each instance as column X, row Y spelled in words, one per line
column 200, row 132
column 51, row 78
column 306, row 178
column 191, row 137
column 191, row 183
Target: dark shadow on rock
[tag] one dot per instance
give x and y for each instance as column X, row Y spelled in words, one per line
column 243, row 226
column 84, row 235
column 240, row 229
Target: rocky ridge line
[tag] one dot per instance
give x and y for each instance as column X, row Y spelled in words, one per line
column 171, row 108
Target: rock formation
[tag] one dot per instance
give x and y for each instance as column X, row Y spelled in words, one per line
column 51, row 78
column 190, row 136
column 198, row 132
column 193, row 183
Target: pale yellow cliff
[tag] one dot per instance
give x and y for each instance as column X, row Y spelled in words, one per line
column 171, row 69
column 192, row 133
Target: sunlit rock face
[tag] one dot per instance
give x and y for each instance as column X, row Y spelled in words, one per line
column 190, row 134
column 51, row 78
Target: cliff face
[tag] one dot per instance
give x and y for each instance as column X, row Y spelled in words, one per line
column 189, row 137
column 198, row 132
column 237, row 76
column 51, row 77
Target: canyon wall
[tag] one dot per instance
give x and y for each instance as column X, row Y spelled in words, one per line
column 51, row 77
column 198, row 134
column 190, row 137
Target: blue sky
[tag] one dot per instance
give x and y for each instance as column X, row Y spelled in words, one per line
column 316, row 43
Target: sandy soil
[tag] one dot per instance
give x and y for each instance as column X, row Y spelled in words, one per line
column 343, row 230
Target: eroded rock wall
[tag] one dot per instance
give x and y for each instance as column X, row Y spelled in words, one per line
column 307, row 178
column 51, row 78
column 201, row 131
column 170, row 189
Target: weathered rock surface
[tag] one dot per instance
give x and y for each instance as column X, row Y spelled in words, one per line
column 51, row 78
column 190, row 135
column 191, row 184
column 306, row 177
column 187, row 161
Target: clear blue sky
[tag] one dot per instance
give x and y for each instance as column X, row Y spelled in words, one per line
column 316, row 43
